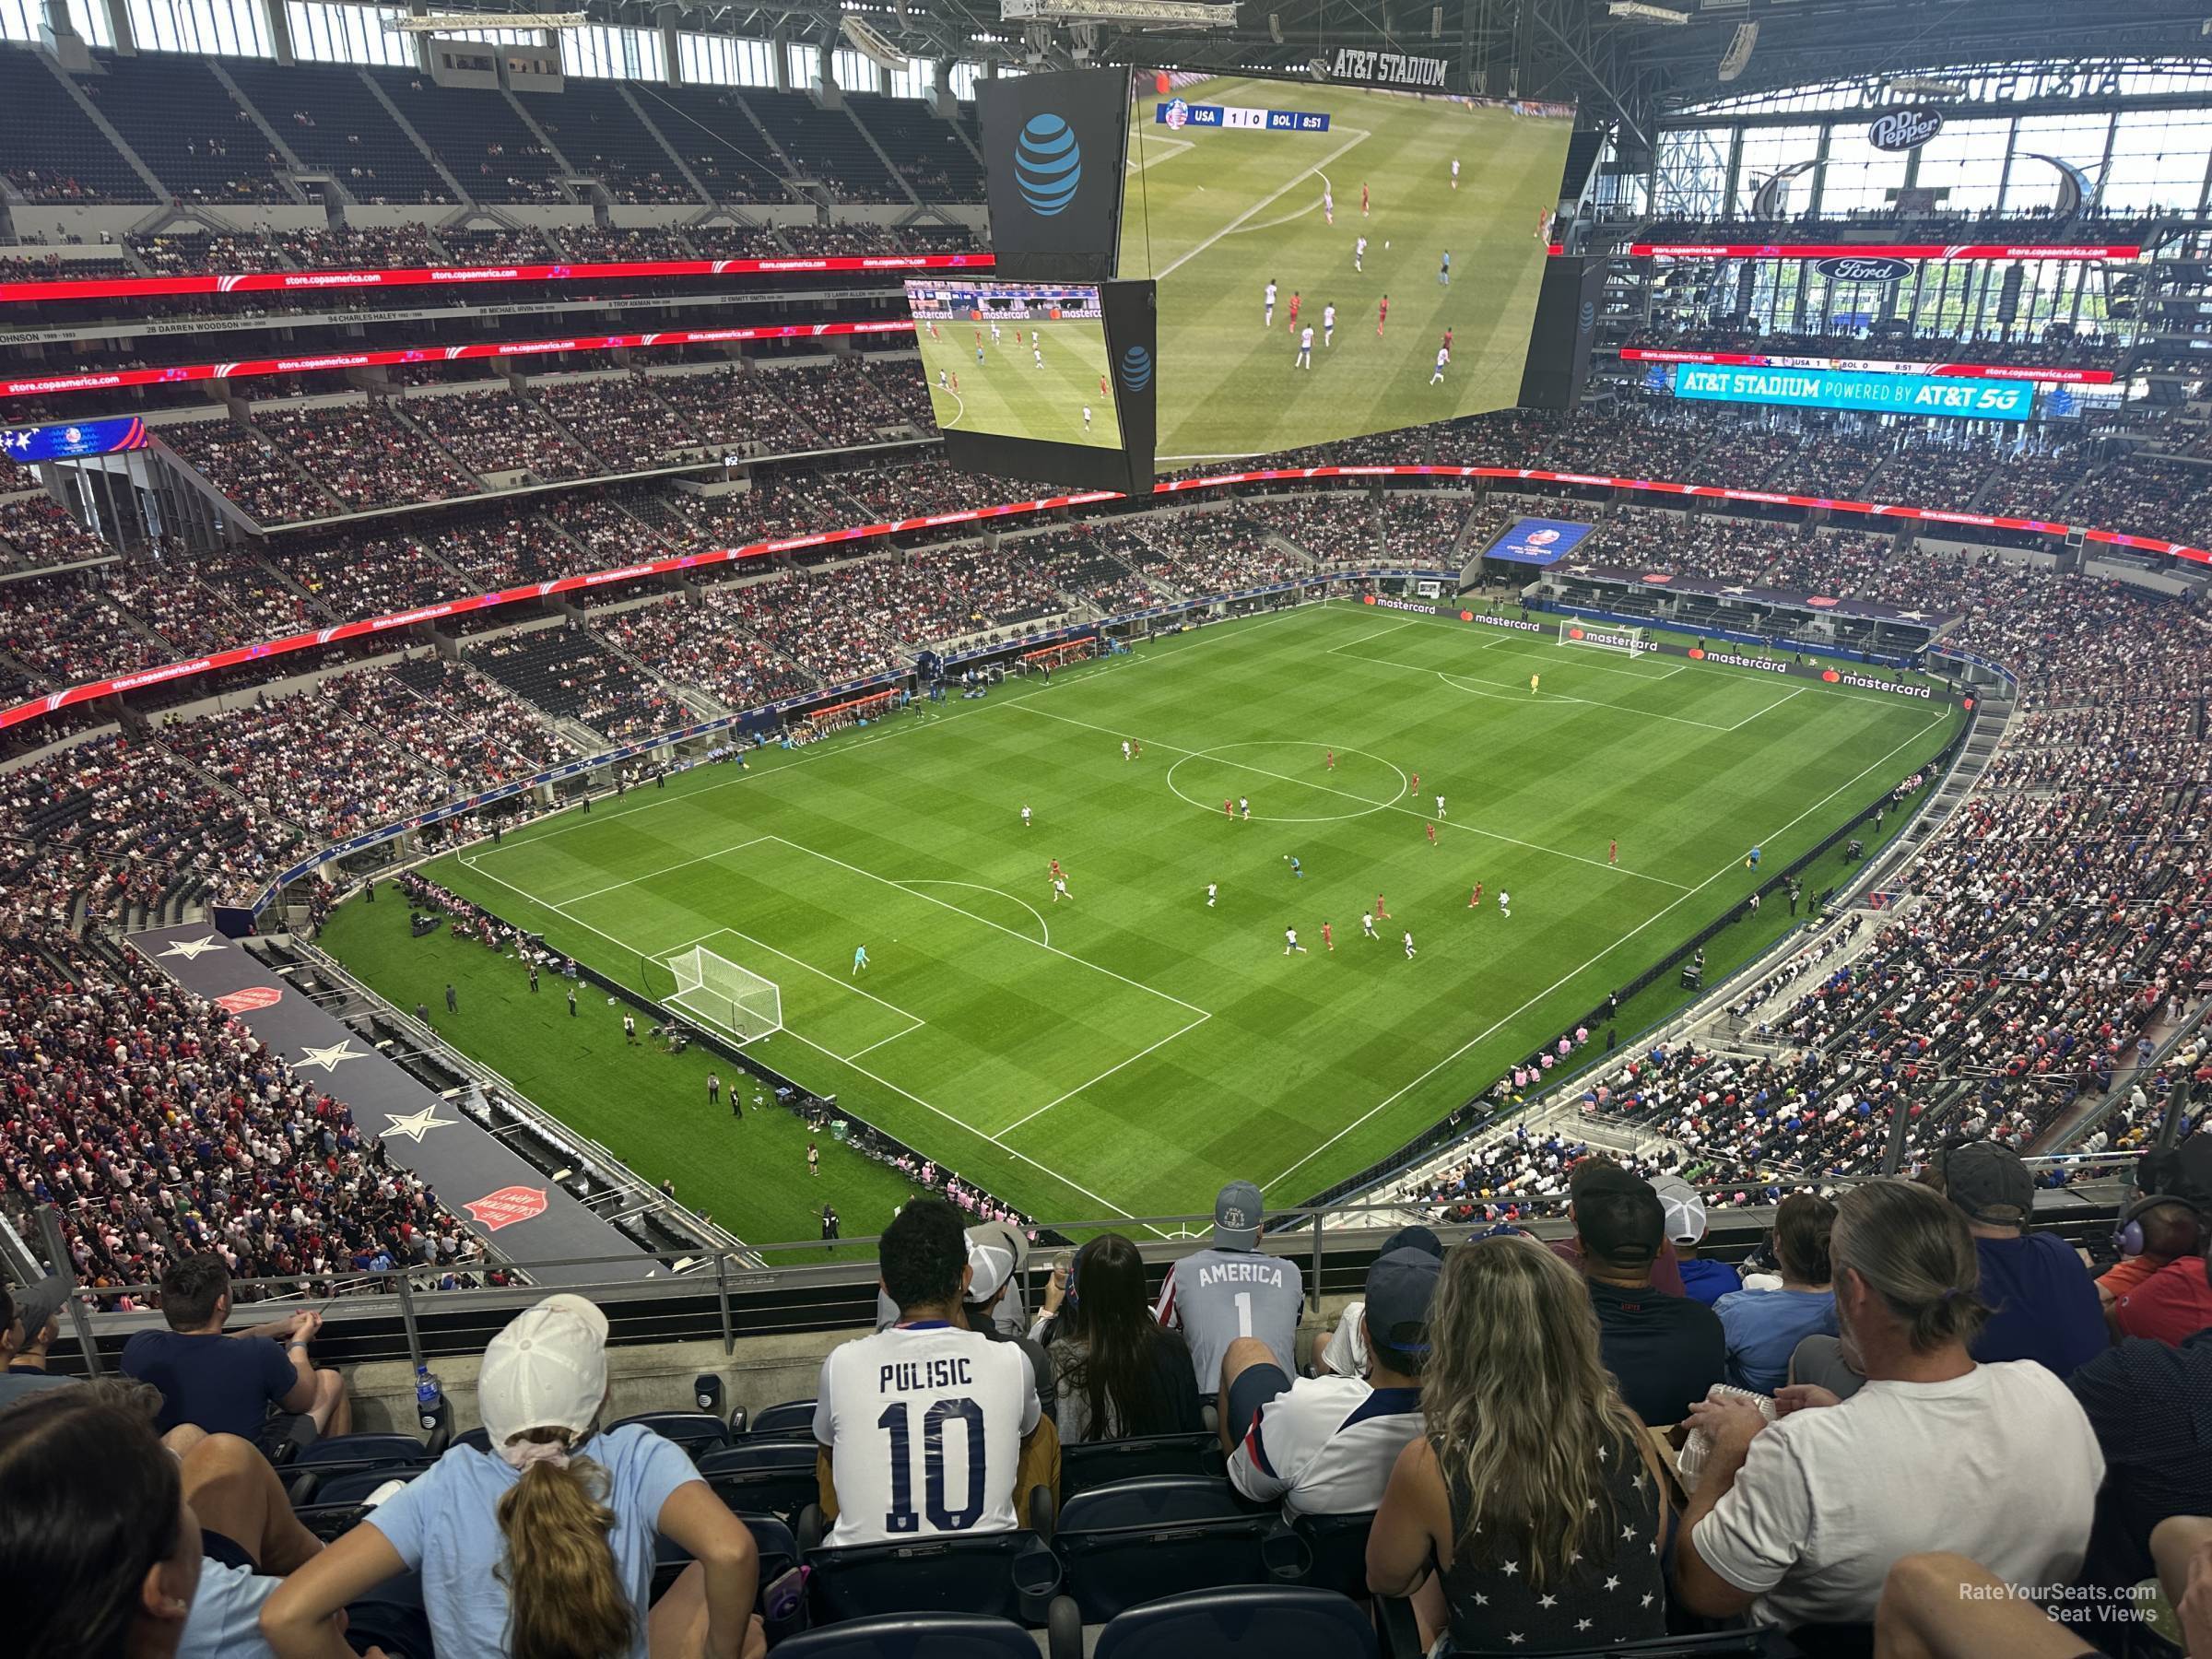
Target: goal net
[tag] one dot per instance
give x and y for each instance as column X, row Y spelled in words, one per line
column 717, row 992
column 1607, row 635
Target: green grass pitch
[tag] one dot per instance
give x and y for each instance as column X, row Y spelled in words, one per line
column 1007, row 394
column 1212, row 214
column 1123, row 1051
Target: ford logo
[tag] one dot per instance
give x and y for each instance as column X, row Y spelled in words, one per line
column 1905, row 129
column 1137, row 368
column 1048, row 164
column 1854, row 267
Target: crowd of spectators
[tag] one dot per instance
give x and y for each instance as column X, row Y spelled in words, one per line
column 241, row 462
column 1193, row 554
column 36, row 533
column 1094, row 562
column 1336, row 528
column 498, row 430
column 700, row 640
column 364, row 455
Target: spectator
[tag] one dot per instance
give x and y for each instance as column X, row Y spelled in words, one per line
column 1945, row 1607
column 544, row 1547
column 2042, row 1301
column 1764, row 1327
column 29, row 1320
column 1324, row 1445
column 1122, row 1373
column 2146, row 1400
column 890, row 1473
column 1666, row 1271
column 990, row 1277
column 1665, row 1350
column 1533, row 1492
column 1343, row 1350
column 1702, row 1280
column 223, row 1381
column 2157, row 1290
column 1231, row 1289
column 1799, row 1521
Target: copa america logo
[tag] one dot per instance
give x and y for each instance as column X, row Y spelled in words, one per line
column 1048, row 164
column 1542, row 538
column 1179, row 114
column 1137, row 368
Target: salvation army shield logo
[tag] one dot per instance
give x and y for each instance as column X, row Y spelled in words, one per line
column 506, row 1206
column 250, row 999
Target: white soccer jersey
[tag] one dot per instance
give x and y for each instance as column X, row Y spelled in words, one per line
column 1271, row 294
column 1442, row 357
column 1329, row 316
column 925, row 1424
column 1305, row 337
column 1360, row 247
column 1327, row 1446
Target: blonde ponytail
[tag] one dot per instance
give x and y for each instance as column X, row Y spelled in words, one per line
column 564, row 1598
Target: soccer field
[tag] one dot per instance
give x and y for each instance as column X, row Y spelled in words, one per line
column 1213, row 214
column 1123, row 1051
column 1008, row 394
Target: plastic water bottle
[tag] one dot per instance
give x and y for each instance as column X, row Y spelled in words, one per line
column 429, row 1397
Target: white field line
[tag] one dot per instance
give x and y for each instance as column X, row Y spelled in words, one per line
column 1109, row 1072
column 1770, row 709
column 1266, row 201
column 1157, row 150
column 1483, row 1036
column 685, row 863
column 1263, row 772
column 1043, row 926
column 861, row 1070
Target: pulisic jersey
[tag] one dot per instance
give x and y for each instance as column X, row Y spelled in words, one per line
column 925, row 1424
column 1217, row 1296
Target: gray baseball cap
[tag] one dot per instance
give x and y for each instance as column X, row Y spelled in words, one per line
column 1238, row 1209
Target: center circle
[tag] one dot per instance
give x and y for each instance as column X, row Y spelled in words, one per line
column 1253, row 769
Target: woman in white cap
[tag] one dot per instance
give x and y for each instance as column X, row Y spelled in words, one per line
column 544, row 1550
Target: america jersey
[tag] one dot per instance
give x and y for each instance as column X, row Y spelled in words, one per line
column 925, row 1424
column 1217, row 1296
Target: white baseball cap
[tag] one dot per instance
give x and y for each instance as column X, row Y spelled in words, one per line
column 991, row 1266
column 1685, row 1210
column 547, row 1370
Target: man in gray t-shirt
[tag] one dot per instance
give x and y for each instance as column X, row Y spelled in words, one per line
column 1232, row 1291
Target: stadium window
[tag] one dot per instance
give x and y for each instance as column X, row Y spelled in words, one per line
column 348, row 34
column 854, row 71
column 1967, row 162
column 19, row 20
column 2157, row 159
column 2076, row 139
column 1692, row 172
column 213, row 28
column 964, row 77
column 725, row 61
column 911, row 81
column 597, row 52
column 1767, row 150
column 1858, row 178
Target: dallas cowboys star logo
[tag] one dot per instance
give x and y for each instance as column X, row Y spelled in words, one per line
column 330, row 1058
column 193, row 949
column 416, row 1125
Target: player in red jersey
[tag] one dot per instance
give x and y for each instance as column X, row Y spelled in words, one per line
column 1327, row 937
column 1432, row 835
column 956, row 382
column 1138, row 748
column 1381, row 915
column 1056, row 869
column 1447, row 339
column 1383, row 315
column 1612, row 852
column 1229, row 809
column 1293, row 311
column 1329, row 756
column 1416, row 782
column 1363, row 201
column 1474, row 901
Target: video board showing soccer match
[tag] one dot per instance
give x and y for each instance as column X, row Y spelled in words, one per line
column 1019, row 360
column 1406, row 231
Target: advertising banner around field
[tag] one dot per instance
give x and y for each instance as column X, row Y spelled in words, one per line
column 1887, row 249
column 1537, row 541
column 471, row 1169
column 1052, row 147
column 1848, row 389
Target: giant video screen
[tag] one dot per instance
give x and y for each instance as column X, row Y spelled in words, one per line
column 1334, row 260
column 1016, row 360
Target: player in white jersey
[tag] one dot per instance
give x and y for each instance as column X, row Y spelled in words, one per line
column 1411, row 952
column 1231, row 1290
column 1328, row 325
column 1124, row 749
column 1367, row 926
column 1025, row 814
column 1036, row 353
column 925, row 1421
column 1440, row 806
column 1087, row 417
column 1359, row 255
column 1305, row 347
column 1329, row 202
column 1270, row 319
column 994, row 334
column 1442, row 357
column 1505, row 903
column 1291, row 942
column 1455, row 172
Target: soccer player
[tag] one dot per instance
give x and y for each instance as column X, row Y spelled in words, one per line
column 1505, row 904
column 1329, row 202
column 956, row 385
column 1382, row 316
column 1363, row 202
column 1124, row 749
column 1455, row 172
column 1087, row 417
column 1381, row 911
column 1291, row 942
column 1416, row 784
column 1330, row 756
column 1532, row 683
column 1059, row 889
column 1612, row 852
column 1367, row 926
column 859, row 957
column 1036, row 353
column 1292, row 324
column 1432, row 829
column 1305, row 348
column 1105, row 391
column 1025, row 814
column 1328, row 324
column 1138, row 748
column 1056, row 872
column 1443, row 275
column 1245, row 806
column 1440, row 807
column 1409, row 951
column 1211, row 889
column 1296, row 869
column 1328, row 937
column 1442, row 357
column 814, row 1159
column 1475, row 898
column 1270, row 302
column 994, row 334
column 1359, row 255
column 940, row 379
column 1228, row 810
column 1447, row 342
column 979, row 354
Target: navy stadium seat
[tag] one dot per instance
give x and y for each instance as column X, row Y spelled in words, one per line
column 783, row 1421
column 478, row 1437
column 362, row 1449
column 391, row 1618
column 1003, row 1575
column 913, row 1636
column 1250, row 1622
column 1143, row 1540
column 776, row 1477
column 696, row 1431
column 1089, row 1463
column 1335, row 1553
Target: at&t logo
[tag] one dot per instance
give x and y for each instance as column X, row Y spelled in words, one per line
column 1048, row 164
column 1137, row 368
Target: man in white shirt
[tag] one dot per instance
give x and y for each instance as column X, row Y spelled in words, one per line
column 1232, row 1291
column 1325, row 1445
column 1799, row 1522
column 922, row 1423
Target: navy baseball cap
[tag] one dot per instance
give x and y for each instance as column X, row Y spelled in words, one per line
column 1414, row 1238
column 1399, row 1286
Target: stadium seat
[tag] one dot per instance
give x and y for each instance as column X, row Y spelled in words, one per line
column 791, row 1419
column 362, row 1449
column 779, row 1556
column 1087, row 1465
column 1143, row 1540
column 914, row 1636
column 479, row 1438
column 775, row 1477
column 1004, row 1575
column 1718, row 1644
column 1250, row 1622
column 696, row 1431
column 1335, row 1551
column 390, row 1617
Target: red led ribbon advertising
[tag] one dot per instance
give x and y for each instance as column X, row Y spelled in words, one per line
column 1887, row 250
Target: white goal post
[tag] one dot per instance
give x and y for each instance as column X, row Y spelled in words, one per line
column 1605, row 636
column 717, row 992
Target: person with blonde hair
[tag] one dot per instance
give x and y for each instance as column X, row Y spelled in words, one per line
column 543, row 1548
column 1531, row 1487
